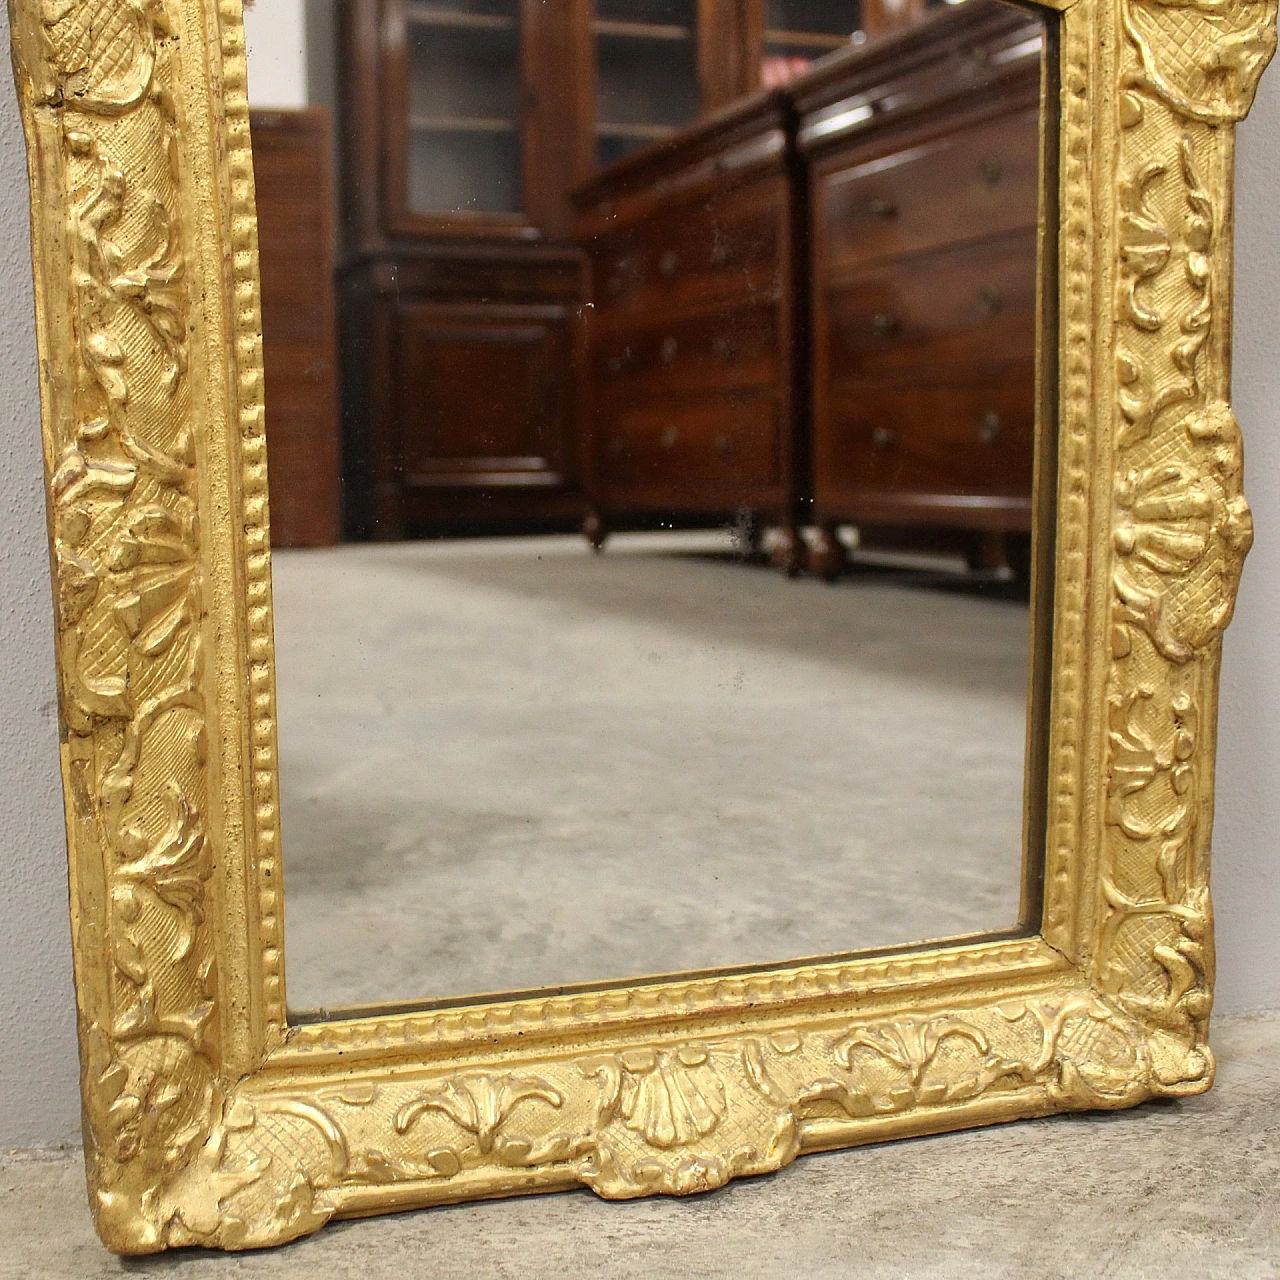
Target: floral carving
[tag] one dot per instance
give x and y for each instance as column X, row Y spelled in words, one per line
column 910, row 1044
column 1144, row 244
column 1145, row 248
column 1141, row 762
column 479, row 1104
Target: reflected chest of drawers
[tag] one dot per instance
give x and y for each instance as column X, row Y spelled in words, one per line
column 689, row 352
column 924, row 163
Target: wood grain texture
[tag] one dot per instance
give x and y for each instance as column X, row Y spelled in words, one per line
column 292, row 174
column 690, row 366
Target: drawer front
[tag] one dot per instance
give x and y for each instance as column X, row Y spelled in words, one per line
column 689, row 445
column 979, row 181
column 934, row 316
column 691, row 256
column 734, row 349
column 969, row 439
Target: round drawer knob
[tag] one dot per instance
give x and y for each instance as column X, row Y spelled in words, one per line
column 884, row 209
column 884, row 437
column 884, row 324
column 668, row 350
column 724, row 444
column 990, row 171
column 989, row 427
column 989, row 300
column 668, row 263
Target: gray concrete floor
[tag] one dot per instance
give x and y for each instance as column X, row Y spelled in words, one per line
column 509, row 763
column 1186, row 1190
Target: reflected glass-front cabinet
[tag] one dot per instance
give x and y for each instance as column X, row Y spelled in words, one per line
column 461, row 130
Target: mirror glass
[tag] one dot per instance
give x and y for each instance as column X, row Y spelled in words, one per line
column 661, row 482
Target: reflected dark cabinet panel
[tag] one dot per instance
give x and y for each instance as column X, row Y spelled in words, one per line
column 459, row 413
column 481, row 394
column 924, row 267
column 294, row 188
column 690, row 367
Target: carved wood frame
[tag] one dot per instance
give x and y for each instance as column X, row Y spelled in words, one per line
column 207, row 1118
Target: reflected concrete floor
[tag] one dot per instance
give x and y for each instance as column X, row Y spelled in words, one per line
column 512, row 763
column 1184, row 1190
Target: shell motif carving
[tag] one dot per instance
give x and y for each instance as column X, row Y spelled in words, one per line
column 1181, row 534
column 671, row 1098
column 104, row 50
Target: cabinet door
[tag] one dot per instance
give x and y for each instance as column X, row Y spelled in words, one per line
column 453, row 116
column 480, row 395
column 793, row 34
column 646, row 72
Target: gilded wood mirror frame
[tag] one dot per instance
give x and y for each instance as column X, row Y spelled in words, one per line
column 208, row 1119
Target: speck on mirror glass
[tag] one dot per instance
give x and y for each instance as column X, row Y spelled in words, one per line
column 662, row 459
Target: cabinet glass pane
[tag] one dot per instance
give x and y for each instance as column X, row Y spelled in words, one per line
column 799, row 32
column 464, row 106
column 646, row 72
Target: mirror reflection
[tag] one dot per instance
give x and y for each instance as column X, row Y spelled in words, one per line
column 659, row 489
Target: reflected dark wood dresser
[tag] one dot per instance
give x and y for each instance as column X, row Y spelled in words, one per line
column 690, row 403
column 923, row 154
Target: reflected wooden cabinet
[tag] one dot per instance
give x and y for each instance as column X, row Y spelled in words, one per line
column 895, row 186
column 460, row 135
column 691, row 357
column 925, row 216
column 464, row 125
column 458, row 396
column 294, row 194
column 493, row 412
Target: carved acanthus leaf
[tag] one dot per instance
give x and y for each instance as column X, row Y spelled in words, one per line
column 479, row 1103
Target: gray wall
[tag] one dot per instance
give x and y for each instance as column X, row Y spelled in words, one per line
column 275, row 42
column 1246, row 886
column 38, row 1072
column 38, row 1086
